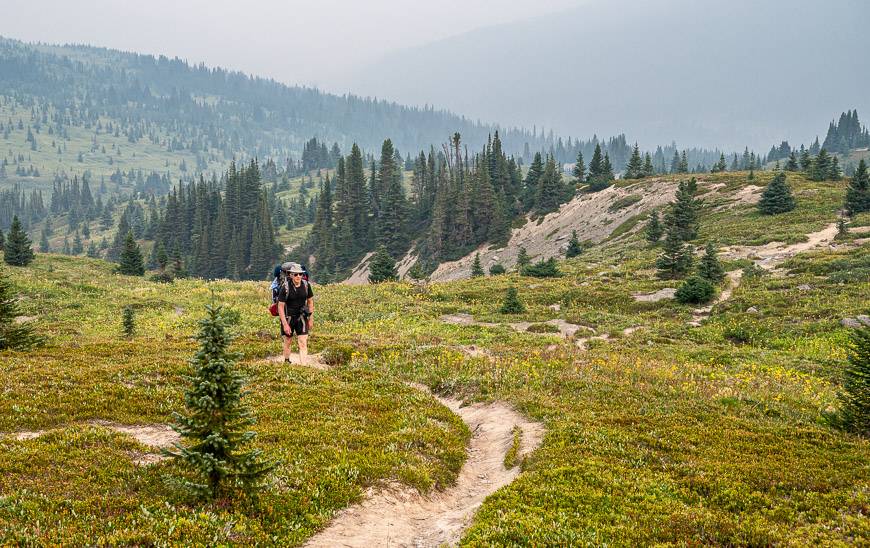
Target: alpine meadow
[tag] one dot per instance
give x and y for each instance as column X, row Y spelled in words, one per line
column 237, row 310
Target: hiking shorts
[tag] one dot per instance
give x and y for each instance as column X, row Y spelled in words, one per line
column 298, row 326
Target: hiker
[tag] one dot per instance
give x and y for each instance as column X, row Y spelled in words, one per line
column 295, row 308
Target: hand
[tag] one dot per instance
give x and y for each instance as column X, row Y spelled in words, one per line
column 310, row 323
column 286, row 327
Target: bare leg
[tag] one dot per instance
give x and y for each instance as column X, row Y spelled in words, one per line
column 288, row 341
column 303, row 348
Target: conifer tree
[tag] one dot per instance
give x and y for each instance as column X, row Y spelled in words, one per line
column 523, row 258
column 648, row 169
column 834, row 173
column 596, row 165
column 579, row 170
column 215, row 425
column 17, row 250
column 382, row 267
column 858, row 191
column 128, row 323
column 476, row 268
column 683, row 165
column 634, row 168
column 550, row 189
column 676, row 257
column 855, row 397
column 710, row 268
column 131, row 257
column 683, row 213
column 536, row 169
column 654, row 229
column 777, row 197
column 13, row 335
column 512, row 303
column 574, row 248
column 2, row 240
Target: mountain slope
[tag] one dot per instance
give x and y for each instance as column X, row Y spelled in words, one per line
column 707, row 73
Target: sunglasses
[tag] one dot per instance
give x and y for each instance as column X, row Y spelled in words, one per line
column 294, row 274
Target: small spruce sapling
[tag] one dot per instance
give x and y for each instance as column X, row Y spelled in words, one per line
column 13, row 335
column 523, row 258
column 855, row 397
column 476, row 268
column 710, row 268
column 214, row 430
column 574, row 248
column 777, row 197
column 654, row 228
column 512, row 303
column 129, row 322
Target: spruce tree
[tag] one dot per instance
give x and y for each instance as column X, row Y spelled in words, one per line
column 476, row 268
column 855, row 397
column 683, row 212
column 648, row 169
column 523, row 258
column 777, row 197
column 792, row 164
column 512, row 303
column 654, row 228
column 215, row 425
column 128, row 323
column 13, row 335
column 676, row 257
column 2, row 240
column 382, row 267
column 710, row 268
column 634, row 168
column 17, row 250
column 858, row 191
column 131, row 257
column 579, row 170
column 574, row 248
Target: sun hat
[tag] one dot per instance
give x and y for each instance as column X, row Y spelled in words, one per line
column 292, row 268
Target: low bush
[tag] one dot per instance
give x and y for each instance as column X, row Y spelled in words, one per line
column 543, row 269
column 695, row 290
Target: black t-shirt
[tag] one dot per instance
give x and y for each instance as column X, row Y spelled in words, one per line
column 294, row 297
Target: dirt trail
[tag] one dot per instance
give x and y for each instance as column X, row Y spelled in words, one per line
column 770, row 255
column 400, row 516
column 701, row 314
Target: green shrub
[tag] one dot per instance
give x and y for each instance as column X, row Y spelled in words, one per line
column 542, row 328
column 695, row 290
column 543, row 269
column 624, row 202
column 496, row 269
column 337, row 355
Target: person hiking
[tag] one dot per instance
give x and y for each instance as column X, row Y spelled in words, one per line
column 296, row 309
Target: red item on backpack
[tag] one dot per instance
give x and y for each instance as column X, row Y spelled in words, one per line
column 273, row 309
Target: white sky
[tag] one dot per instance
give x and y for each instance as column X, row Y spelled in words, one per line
column 297, row 42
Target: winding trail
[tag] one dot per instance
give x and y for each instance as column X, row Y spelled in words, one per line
column 396, row 515
column 768, row 257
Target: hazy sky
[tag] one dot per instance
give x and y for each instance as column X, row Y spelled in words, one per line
column 297, row 42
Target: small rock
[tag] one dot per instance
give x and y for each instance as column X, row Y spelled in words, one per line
column 555, row 307
column 863, row 319
column 851, row 322
column 753, row 310
column 494, row 258
column 804, row 287
column 562, row 237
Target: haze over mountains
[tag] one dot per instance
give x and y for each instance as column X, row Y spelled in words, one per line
column 725, row 74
